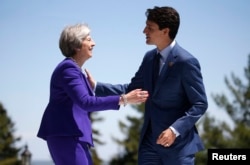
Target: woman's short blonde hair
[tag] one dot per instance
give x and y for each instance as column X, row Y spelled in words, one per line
column 71, row 38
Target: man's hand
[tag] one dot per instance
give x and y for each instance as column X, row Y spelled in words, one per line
column 166, row 138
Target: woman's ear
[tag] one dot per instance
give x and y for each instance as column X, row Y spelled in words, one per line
column 77, row 49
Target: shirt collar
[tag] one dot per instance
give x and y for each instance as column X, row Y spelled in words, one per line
column 165, row 52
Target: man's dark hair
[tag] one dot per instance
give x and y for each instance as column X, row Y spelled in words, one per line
column 165, row 17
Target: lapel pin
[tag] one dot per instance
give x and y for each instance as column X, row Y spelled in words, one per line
column 170, row 64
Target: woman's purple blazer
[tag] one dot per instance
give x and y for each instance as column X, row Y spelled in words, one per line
column 70, row 104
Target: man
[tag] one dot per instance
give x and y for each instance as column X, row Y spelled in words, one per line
column 177, row 98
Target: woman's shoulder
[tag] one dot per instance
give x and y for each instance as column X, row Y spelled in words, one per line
column 67, row 65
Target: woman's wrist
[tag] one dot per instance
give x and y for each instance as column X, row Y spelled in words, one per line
column 123, row 100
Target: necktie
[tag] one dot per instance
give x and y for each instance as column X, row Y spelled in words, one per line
column 156, row 67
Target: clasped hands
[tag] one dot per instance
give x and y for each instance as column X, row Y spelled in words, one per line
column 133, row 97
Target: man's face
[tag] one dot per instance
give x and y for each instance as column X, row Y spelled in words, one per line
column 155, row 36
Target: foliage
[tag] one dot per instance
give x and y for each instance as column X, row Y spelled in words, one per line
column 8, row 151
column 238, row 109
column 131, row 141
column 96, row 136
column 221, row 134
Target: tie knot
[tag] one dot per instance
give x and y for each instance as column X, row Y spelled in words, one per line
column 157, row 58
column 158, row 55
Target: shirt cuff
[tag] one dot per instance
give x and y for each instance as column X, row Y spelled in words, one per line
column 174, row 131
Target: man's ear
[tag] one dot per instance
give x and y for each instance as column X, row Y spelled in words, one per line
column 166, row 30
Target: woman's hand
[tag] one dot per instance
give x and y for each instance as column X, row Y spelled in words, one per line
column 90, row 78
column 136, row 96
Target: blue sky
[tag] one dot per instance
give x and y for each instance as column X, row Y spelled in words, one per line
column 216, row 32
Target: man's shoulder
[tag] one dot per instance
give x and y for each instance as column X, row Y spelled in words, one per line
column 182, row 53
column 151, row 52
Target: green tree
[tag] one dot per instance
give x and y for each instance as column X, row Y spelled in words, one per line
column 220, row 134
column 214, row 135
column 238, row 108
column 131, row 141
column 8, row 151
column 96, row 136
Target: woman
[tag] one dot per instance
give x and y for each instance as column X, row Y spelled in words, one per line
column 65, row 124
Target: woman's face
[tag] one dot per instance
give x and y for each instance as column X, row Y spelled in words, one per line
column 87, row 47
